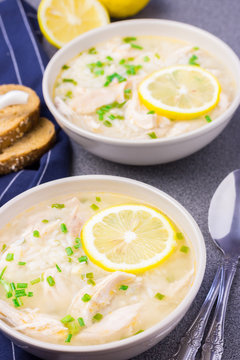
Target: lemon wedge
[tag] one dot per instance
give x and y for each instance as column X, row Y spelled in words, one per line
column 124, row 8
column 62, row 21
column 131, row 238
column 181, row 92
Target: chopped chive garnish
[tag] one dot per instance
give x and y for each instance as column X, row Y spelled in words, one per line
column 132, row 69
column 109, row 58
column 157, row 56
column 3, row 247
column 2, row 272
column 58, row 206
column 64, row 228
column 89, row 275
column 151, row 112
column 22, row 285
column 58, row 268
column 92, row 51
column 139, row 332
column 77, row 246
column 83, row 258
column 184, row 249
column 21, row 263
column 135, row 46
column 16, row 302
column 36, row 233
column 113, row 76
column 77, row 240
column 81, row 321
column 45, row 221
column 123, row 287
column 112, row 117
column 69, row 94
column 159, row 296
column 20, row 293
column 195, row 48
column 65, row 67
column 127, row 91
column 122, row 61
column 10, row 257
column 97, row 317
column 35, row 281
column 70, row 81
column 208, row 119
column 192, row 60
column 94, row 207
column 152, row 135
column 107, row 123
column 9, row 294
column 50, row 280
column 98, row 199
column 146, row 58
column 86, row 298
column 30, row 294
column 12, row 286
column 91, row 282
column 68, row 338
column 69, row 260
column 66, row 319
column 99, row 72
column 179, row 235
column 128, row 39
column 69, row 251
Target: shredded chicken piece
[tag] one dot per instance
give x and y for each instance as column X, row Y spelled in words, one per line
column 101, row 295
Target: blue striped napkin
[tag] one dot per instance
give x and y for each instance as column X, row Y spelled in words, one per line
column 22, row 61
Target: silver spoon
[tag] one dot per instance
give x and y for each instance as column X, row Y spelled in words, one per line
column 224, row 227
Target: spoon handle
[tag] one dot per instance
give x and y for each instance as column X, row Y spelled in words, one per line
column 191, row 342
column 213, row 347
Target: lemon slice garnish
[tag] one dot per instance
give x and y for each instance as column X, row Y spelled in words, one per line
column 131, row 238
column 180, row 92
column 61, row 21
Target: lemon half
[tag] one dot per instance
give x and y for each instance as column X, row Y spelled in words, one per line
column 181, row 92
column 124, row 8
column 61, row 21
column 131, row 238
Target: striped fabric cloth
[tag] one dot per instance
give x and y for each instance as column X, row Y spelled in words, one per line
column 22, row 61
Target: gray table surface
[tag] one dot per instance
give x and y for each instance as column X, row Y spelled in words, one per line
column 193, row 180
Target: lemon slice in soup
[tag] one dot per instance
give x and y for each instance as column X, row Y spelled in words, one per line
column 181, row 92
column 61, row 21
column 131, row 238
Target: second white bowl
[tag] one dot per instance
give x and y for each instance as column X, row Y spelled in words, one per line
column 143, row 152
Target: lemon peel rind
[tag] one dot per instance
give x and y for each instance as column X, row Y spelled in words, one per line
column 178, row 114
column 100, row 259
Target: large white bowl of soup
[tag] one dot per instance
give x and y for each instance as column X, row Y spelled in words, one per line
column 58, row 301
column 91, row 86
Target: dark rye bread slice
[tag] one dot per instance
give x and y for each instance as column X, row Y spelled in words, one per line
column 29, row 148
column 16, row 120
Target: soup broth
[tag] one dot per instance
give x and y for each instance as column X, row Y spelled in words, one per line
column 47, row 278
column 98, row 89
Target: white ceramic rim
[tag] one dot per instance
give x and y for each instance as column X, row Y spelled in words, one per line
column 131, row 142
column 147, row 333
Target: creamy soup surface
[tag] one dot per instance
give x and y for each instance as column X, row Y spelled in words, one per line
column 97, row 90
column 45, row 276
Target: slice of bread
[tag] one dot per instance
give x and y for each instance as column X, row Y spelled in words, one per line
column 29, row 148
column 16, row 120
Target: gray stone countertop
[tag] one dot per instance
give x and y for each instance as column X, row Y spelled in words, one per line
column 193, row 180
